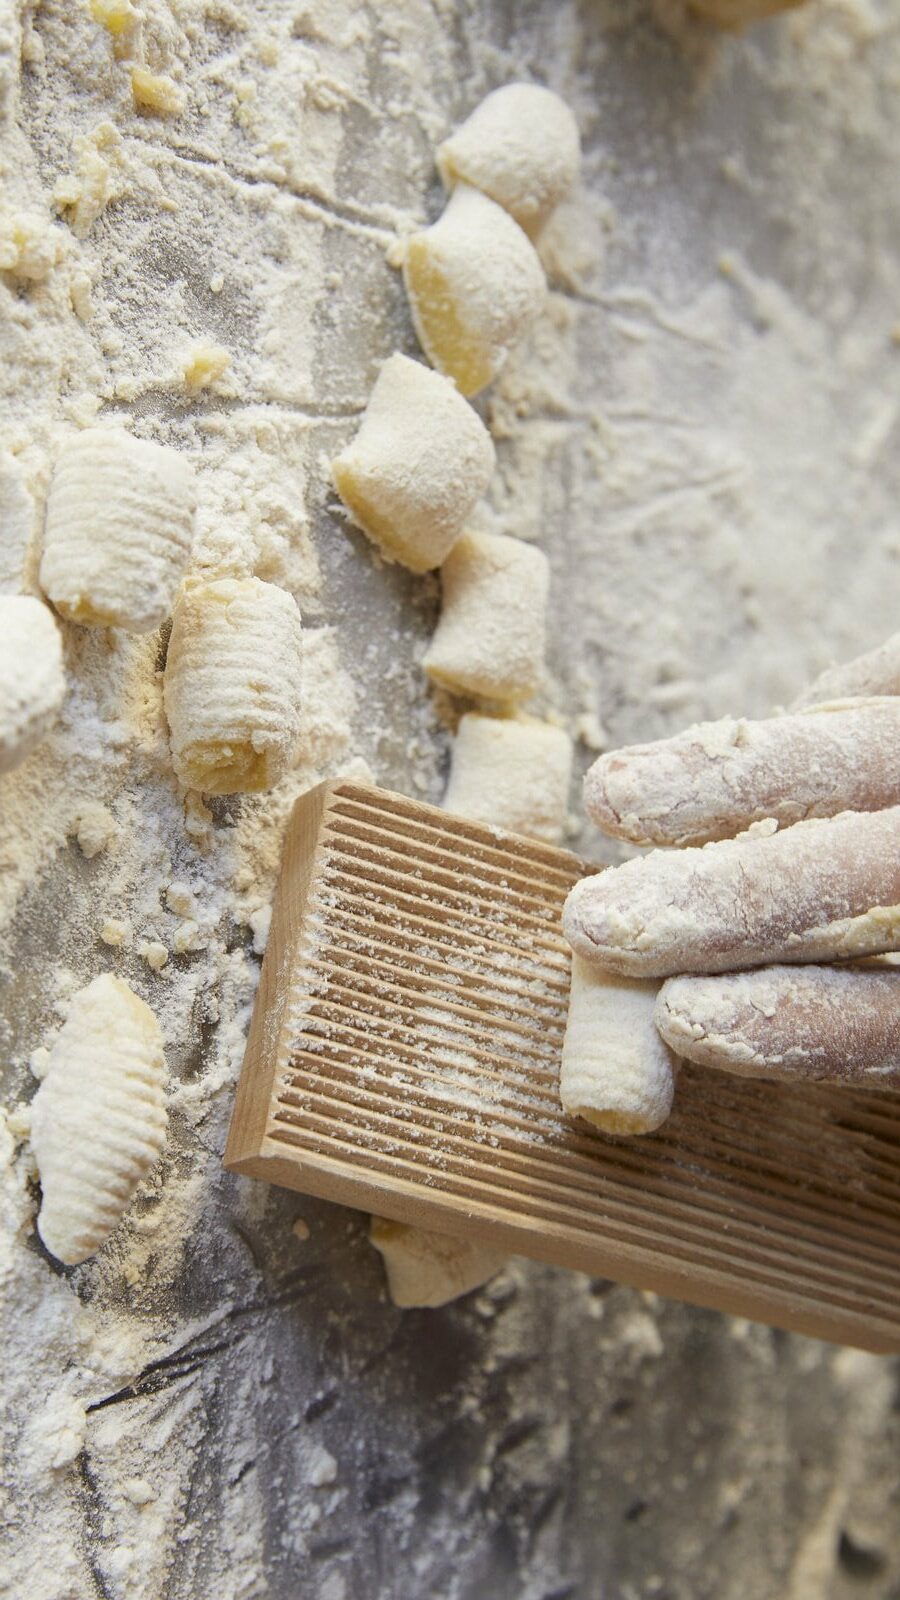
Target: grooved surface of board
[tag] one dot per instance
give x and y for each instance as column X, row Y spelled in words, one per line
column 404, row 1057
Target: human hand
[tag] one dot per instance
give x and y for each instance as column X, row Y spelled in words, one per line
column 813, row 877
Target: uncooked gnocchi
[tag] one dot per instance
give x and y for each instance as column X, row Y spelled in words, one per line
column 430, row 1269
column 120, row 521
column 421, row 459
column 475, row 284
column 491, row 634
column 520, row 146
column 98, row 1120
column 511, row 773
column 32, row 680
column 616, row 1072
column 232, row 684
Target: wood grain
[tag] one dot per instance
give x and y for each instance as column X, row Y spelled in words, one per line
column 403, row 1058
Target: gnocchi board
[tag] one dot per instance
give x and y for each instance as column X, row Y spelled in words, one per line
column 403, row 1058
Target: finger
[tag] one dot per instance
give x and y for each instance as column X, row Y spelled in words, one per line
column 719, row 777
column 616, row 1072
column 835, row 1023
column 876, row 673
column 824, row 890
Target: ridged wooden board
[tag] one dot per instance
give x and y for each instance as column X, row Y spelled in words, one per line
column 404, row 1054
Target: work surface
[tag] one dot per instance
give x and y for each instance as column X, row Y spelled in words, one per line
column 702, row 434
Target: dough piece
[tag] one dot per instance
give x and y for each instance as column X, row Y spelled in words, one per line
column 420, row 461
column 718, row 778
column 876, row 673
column 16, row 525
column 511, row 774
column 429, row 1269
column 232, row 684
column 475, row 285
column 156, row 92
column 616, row 1071
column 491, row 635
column 824, row 890
column 839, row 1024
column 520, row 147
column 737, row 14
column 32, row 680
column 120, row 521
column 98, row 1120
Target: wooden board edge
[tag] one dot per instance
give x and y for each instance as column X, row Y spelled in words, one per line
column 263, row 1050
column 633, row 1267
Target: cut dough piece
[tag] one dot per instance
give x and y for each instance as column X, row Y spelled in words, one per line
column 429, row 1269
column 520, row 147
column 232, row 684
column 420, row 461
column 475, row 285
column 511, row 773
column 491, row 635
column 736, row 14
column 98, row 1121
column 32, row 680
column 616, row 1071
column 120, row 521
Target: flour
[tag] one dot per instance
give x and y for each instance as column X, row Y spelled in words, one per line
column 697, row 432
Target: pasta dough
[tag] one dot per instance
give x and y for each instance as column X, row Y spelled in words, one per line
column 511, row 773
column 120, row 521
column 98, row 1120
column 520, row 146
column 32, row 680
column 475, row 284
column 420, row 461
column 616, row 1072
column 491, row 635
column 232, row 684
column 429, row 1269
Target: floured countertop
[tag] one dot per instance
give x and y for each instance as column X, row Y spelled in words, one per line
column 702, row 435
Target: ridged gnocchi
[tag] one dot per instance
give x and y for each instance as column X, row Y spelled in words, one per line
column 491, row 634
column 616, row 1072
column 520, row 146
column 120, row 522
column 475, row 284
column 98, row 1120
column 32, row 680
column 511, row 773
column 232, row 684
column 420, row 461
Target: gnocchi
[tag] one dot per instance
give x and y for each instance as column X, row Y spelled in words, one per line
column 232, row 684
column 511, row 773
column 32, row 680
column 420, row 461
column 430, row 1269
column 492, row 629
column 98, row 1121
column 616, row 1072
column 520, row 146
column 475, row 284
column 120, row 521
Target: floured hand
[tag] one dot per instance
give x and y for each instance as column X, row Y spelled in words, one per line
column 813, row 877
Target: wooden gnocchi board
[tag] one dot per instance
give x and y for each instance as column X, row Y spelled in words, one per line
column 403, row 1058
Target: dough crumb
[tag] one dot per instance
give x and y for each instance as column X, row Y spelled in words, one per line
column 300, row 1229
column 156, row 92
column 204, row 365
column 154, row 953
column 95, row 829
column 30, row 247
column 116, row 932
